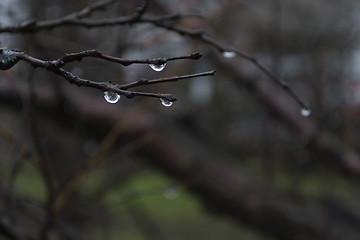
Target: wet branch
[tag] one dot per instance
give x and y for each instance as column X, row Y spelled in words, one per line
column 168, row 79
column 94, row 53
column 8, row 58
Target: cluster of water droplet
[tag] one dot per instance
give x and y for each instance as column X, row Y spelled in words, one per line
column 158, row 67
column 111, row 97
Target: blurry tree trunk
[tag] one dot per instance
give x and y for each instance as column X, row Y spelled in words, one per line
column 227, row 192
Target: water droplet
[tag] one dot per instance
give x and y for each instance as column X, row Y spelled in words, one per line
column 229, row 54
column 305, row 112
column 111, row 97
column 171, row 193
column 166, row 102
column 157, row 67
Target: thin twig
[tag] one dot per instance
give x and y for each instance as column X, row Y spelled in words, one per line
column 87, row 11
column 94, row 53
column 199, row 34
column 77, row 19
column 168, row 79
column 142, row 9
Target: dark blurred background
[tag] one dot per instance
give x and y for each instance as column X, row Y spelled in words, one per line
column 233, row 158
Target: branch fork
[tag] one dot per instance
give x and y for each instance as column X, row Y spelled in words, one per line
column 8, row 58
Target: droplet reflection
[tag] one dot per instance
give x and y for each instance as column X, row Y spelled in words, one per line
column 111, row 97
column 166, row 102
column 157, row 67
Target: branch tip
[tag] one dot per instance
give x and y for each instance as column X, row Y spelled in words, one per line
column 130, row 95
column 196, row 55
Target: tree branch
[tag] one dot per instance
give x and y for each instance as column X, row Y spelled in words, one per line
column 94, row 53
column 168, row 79
column 165, row 21
column 10, row 58
column 78, row 19
column 199, row 34
column 87, row 11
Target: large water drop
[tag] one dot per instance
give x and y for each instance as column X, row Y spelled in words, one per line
column 166, row 102
column 111, row 97
column 158, row 67
column 228, row 54
column 305, row 112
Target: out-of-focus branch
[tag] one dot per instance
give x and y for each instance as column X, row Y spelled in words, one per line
column 10, row 58
column 75, row 18
column 37, row 214
column 142, row 9
column 227, row 192
column 231, row 52
column 319, row 140
column 78, row 19
column 42, row 160
column 87, row 11
column 223, row 189
column 97, row 156
column 7, row 231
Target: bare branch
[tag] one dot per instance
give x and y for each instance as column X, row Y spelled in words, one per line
column 199, row 34
column 87, row 11
column 142, row 9
column 78, row 19
column 55, row 66
column 71, row 57
column 169, row 79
